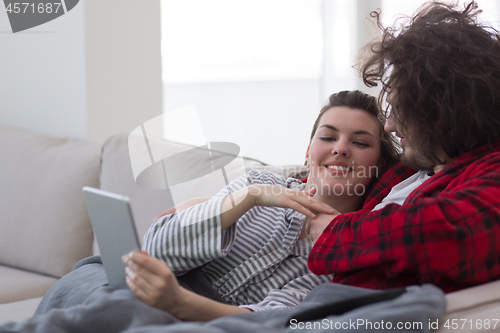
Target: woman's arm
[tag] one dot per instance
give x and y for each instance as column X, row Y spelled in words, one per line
column 247, row 198
column 237, row 204
column 154, row 283
column 172, row 238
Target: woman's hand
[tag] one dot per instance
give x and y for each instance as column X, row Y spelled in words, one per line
column 152, row 281
column 183, row 205
column 300, row 201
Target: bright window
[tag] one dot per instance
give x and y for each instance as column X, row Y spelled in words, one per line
column 227, row 40
column 258, row 71
column 391, row 9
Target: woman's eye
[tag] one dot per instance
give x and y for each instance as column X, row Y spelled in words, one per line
column 361, row 144
column 327, row 138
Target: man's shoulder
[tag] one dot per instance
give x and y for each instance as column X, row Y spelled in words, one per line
column 382, row 185
column 487, row 153
column 397, row 173
column 481, row 156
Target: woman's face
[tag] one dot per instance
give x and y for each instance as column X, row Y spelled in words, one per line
column 344, row 153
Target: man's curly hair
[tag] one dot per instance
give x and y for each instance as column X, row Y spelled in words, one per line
column 441, row 72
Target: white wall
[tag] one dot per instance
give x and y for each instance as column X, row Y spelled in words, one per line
column 42, row 85
column 123, row 65
column 270, row 120
column 96, row 71
column 90, row 73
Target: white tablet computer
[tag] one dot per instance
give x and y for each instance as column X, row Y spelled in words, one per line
column 114, row 230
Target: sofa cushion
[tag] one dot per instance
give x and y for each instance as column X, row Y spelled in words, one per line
column 18, row 285
column 44, row 223
column 18, row 311
column 469, row 308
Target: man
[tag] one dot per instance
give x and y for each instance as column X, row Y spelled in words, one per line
column 441, row 78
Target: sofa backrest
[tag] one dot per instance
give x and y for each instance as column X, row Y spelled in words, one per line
column 124, row 157
column 44, row 226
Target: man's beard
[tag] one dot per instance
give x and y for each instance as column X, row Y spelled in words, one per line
column 416, row 159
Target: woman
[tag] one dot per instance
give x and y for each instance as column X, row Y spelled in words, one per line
column 250, row 238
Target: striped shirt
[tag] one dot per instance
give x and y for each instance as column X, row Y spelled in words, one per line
column 258, row 262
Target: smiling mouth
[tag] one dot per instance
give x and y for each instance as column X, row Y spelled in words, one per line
column 339, row 168
column 401, row 138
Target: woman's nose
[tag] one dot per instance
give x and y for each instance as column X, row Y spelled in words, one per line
column 341, row 149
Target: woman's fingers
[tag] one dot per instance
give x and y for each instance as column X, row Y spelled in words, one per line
column 148, row 268
column 136, row 290
column 311, row 192
column 310, row 207
column 145, row 261
column 141, row 288
column 150, row 280
column 322, row 207
column 313, row 204
column 146, row 292
column 301, row 201
column 301, row 209
column 137, row 281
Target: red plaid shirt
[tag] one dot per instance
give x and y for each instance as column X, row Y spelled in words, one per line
column 446, row 233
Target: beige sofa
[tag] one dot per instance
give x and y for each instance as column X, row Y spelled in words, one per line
column 45, row 230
